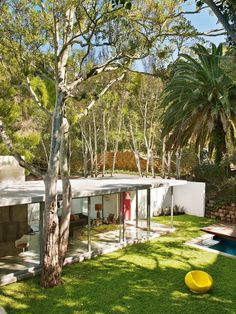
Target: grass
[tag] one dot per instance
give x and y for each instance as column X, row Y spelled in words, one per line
column 144, row 278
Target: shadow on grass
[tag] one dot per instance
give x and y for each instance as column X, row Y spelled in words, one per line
column 144, row 278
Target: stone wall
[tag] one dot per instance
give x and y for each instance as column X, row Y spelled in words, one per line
column 225, row 213
column 13, row 224
column 125, row 161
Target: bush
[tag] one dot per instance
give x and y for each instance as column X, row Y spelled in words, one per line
column 225, row 195
column 211, row 174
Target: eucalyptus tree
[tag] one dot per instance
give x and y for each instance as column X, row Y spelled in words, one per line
column 200, row 103
column 225, row 11
column 54, row 40
column 142, row 123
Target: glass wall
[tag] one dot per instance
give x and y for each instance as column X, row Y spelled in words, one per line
column 105, row 220
column 19, row 238
column 78, row 234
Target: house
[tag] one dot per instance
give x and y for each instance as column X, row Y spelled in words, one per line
column 107, row 214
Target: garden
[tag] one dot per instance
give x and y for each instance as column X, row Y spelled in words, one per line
column 144, row 278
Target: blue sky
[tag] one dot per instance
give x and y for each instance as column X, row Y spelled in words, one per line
column 204, row 21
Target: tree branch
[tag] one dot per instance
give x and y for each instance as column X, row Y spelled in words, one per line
column 231, row 32
column 211, row 33
column 35, row 97
column 92, row 103
column 106, row 66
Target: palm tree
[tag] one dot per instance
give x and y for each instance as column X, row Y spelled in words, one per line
column 200, row 103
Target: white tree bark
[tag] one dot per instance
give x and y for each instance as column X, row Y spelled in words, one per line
column 115, row 148
column 163, row 163
column 95, row 145
column 169, row 156
column 135, row 150
column 66, row 193
column 105, row 143
column 178, row 156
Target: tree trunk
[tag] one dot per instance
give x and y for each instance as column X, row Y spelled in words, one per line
column 105, row 143
column 85, row 152
column 91, row 152
column 169, row 156
column 178, row 156
column 116, row 147
column 152, row 164
column 163, row 173
column 135, row 151
column 51, row 272
column 219, row 142
column 137, row 160
column 66, row 194
column 95, row 146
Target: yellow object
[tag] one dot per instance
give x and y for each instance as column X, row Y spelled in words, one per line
column 198, row 281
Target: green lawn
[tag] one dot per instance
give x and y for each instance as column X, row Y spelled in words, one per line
column 144, row 278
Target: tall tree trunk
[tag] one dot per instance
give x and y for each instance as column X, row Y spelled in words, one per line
column 51, row 272
column 178, row 156
column 105, row 143
column 219, row 142
column 145, row 138
column 91, row 152
column 199, row 155
column 135, row 150
column 85, row 151
column 69, row 154
column 152, row 164
column 163, row 163
column 116, row 145
column 95, row 146
column 150, row 144
column 169, row 156
column 66, row 194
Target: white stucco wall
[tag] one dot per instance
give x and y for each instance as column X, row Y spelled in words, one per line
column 10, row 171
column 111, row 205
column 192, row 197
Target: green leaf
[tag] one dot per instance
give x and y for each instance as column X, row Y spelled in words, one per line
column 128, row 5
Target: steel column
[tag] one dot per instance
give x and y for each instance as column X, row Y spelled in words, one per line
column 148, row 210
column 136, row 209
column 172, row 206
column 89, row 223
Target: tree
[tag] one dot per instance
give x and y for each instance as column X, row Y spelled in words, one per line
column 199, row 103
column 144, row 94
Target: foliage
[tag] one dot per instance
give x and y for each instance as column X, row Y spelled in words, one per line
column 224, row 195
column 211, row 174
column 144, row 278
column 199, row 103
column 228, row 64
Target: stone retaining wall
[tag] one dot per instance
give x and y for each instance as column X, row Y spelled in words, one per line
column 225, row 213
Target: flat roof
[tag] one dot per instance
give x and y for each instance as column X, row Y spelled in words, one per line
column 34, row 192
